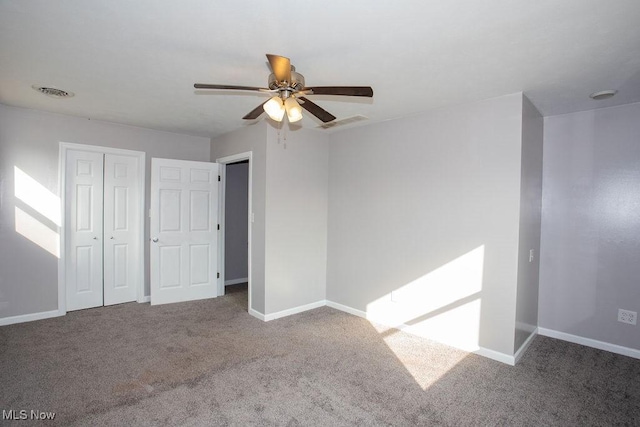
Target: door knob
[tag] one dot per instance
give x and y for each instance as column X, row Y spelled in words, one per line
column 95, row 238
column 155, row 239
column 111, row 237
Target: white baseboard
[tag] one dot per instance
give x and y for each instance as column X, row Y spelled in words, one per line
column 146, row 298
column 294, row 310
column 496, row 355
column 236, row 281
column 600, row 345
column 347, row 309
column 525, row 346
column 491, row 354
column 30, row 317
column 257, row 314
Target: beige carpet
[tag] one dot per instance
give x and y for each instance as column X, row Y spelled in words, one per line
column 210, row 363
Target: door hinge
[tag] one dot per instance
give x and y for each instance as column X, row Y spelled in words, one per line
column 218, row 275
column 218, row 226
column 218, row 178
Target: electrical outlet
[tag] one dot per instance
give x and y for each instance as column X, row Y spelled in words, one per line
column 627, row 316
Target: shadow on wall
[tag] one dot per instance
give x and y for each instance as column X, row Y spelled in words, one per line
column 37, row 213
column 443, row 305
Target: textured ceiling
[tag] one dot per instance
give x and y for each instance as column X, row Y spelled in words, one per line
column 135, row 62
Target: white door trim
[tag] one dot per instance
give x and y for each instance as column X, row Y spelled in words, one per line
column 224, row 161
column 62, row 165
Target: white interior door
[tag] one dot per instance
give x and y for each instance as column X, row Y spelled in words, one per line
column 121, row 229
column 84, row 189
column 184, row 236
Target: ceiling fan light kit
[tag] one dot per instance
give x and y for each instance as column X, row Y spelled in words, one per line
column 290, row 92
column 274, row 108
column 294, row 111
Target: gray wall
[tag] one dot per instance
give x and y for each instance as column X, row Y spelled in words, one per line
column 251, row 138
column 290, row 199
column 235, row 221
column 30, row 140
column 591, row 224
column 530, row 213
column 296, row 233
column 410, row 197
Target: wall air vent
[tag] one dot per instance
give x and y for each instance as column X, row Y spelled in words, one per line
column 53, row 92
column 343, row 122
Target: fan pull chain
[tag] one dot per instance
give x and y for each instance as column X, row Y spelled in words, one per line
column 282, row 134
column 279, row 128
column 284, row 142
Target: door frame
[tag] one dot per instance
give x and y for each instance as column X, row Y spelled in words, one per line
column 62, row 166
column 224, row 161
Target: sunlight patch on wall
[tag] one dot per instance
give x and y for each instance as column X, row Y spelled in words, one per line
column 443, row 305
column 38, row 200
column 37, row 232
column 37, row 196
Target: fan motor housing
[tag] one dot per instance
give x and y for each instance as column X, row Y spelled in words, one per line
column 297, row 81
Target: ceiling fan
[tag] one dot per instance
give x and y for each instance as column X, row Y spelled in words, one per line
column 290, row 93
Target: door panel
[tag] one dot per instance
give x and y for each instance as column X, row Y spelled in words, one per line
column 120, row 209
column 199, row 267
column 84, row 262
column 199, row 211
column 84, row 186
column 184, row 217
column 120, row 256
column 170, row 206
column 122, row 261
column 169, row 265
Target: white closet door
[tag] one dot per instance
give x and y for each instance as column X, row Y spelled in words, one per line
column 184, row 218
column 84, row 188
column 122, row 261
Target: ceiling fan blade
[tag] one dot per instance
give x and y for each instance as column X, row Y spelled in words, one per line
column 256, row 112
column 316, row 110
column 281, row 67
column 340, row 90
column 230, row 87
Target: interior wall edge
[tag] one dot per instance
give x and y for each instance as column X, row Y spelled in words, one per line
column 525, row 345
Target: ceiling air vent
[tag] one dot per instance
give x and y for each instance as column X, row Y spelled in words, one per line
column 343, row 122
column 53, row 92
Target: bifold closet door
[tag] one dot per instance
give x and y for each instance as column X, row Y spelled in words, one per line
column 103, row 256
column 122, row 262
column 84, row 196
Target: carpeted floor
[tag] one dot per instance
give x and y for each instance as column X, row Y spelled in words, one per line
column 210, row 363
